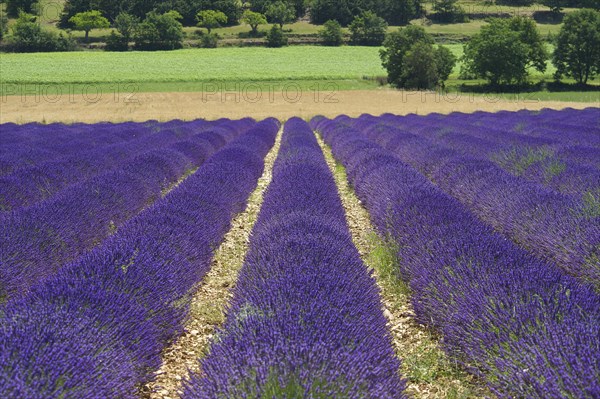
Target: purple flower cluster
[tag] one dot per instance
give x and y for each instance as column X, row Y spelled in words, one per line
column 36, row 241
column 31, row 184
column 306, row 319
column 96, row 329
column 553, row 226
column 34, row 143
column 522, row 144
column 529, row 329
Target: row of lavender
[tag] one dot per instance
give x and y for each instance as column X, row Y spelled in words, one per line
column 34, row 143
column 555, row 227
column 526, row 327
column 36, row 241
column 30, row 184
column 305, row 319
column 543, row 158
column 97, row 328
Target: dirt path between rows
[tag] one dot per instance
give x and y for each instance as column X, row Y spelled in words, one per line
column 209, row 303
column 292, row 101
column 429, row 372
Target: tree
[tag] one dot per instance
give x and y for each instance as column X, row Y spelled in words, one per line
column 3, row 25
column 322, row 11
column 28, row 36
column 368, row 29
column 13, row 7
column 577, row 52
column 276, row 38
column 503, row 51
column 126, row 24
column 331, row 34
column 160, row 32
column 86, row 21
column 211, row 19
column 448, row 11
column 280, row 13
column 411, row 60
column 254, row 19
column 445, row 62
column 555, row 5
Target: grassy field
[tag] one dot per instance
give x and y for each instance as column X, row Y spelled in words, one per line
column 310, row 68
column 196, row 65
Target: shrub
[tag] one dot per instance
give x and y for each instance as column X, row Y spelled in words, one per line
column 276, row 38
column 209, row 40
column 331, row 34
column 368, row 29
column 116, row 42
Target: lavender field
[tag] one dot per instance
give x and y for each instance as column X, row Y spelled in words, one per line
column 118, row 241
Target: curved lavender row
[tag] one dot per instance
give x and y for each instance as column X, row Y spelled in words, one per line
column 537, row 160
column 37, row 241
column 550, row 225
column 306, row 318
column 97, row 328
column 528, row 329
column 29, row 185
column 58, row 141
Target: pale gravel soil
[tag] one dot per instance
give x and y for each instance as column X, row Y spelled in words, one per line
column 430, row 374
column 305, row 104
column 209, row 303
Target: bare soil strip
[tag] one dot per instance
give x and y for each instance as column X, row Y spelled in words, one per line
column 259, row 105
column 209, row 303
column 430, row 373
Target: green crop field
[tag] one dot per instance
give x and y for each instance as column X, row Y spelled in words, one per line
column 195, row 65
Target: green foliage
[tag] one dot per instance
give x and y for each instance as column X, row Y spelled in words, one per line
column 211, row 19
column 577, row 52
column 126, row 24
column 140, row 8
column 160, row 32
column 368, row 29
column 210, row 40
column 280, row 13
column 88, row 20
column 3, row 25
column 29, row 37
column 448, row 11
column 253, row 19
column 503, row 51
column 276, row 38
column 395, row 12
column 298, row 6
column 13, row 7
column 555, row 5
column 116, row 42
column 412, row 62
column 331, row 34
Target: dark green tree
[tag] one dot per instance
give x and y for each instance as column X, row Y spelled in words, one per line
column 331, row 33
column 28, row 36
column 577, row 52
column 280, row 13
column 276, row 37
column 368, row 29
column 126, row 25
column 412, row 61
column 14, row 6
column 503, row 51
column 160, row 32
